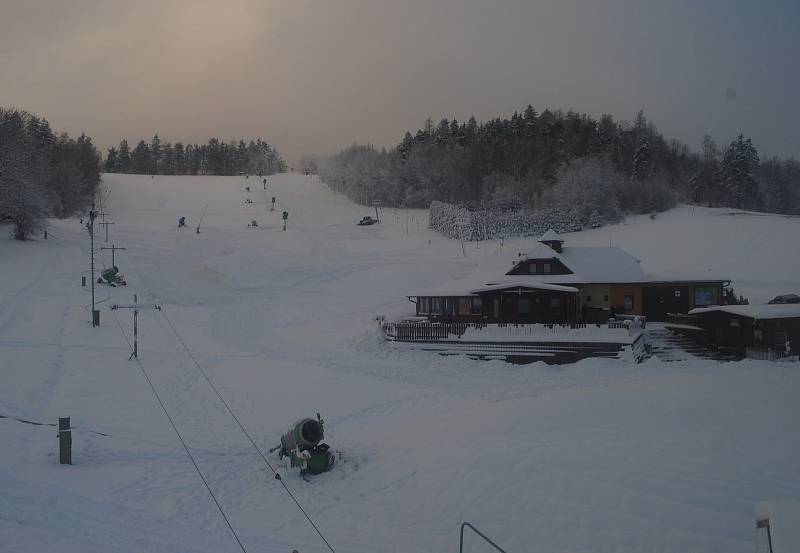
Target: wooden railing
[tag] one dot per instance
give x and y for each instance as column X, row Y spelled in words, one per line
column 684, row 319
column 766, row 354
column 426, row 331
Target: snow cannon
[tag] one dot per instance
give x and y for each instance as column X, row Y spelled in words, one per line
column 302, row 444
column 111, row 277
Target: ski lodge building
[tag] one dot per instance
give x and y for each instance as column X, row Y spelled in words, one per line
column 557, row 284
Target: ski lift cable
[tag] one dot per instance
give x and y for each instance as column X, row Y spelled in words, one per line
column 233, row 415
column 183, row 442
column 245, row 432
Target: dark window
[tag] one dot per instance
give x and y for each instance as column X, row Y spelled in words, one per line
column 555, row 302
column 477, row 306
column 464, row 306
column 628, row 302
column 523, row 306
column 705, row 296
column 436, row 305
column 605, row 298
column 532, row 268
column 588, row 299
column 546, row 268
column 424, row 305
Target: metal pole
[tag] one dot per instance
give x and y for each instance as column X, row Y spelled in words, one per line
column 764, row 523
column 135, row 354
column 135, row 307
column 113, row 249
column 92, row 216
column 481, row 534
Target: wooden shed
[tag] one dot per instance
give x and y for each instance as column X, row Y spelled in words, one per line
column 769, row 331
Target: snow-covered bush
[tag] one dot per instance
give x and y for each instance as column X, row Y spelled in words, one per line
column 587, row 188
column 498, row 222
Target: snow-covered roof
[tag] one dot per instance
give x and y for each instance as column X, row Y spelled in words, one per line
column 551, row 236
column 765, row 311
column 674, row 276
column 492, row 287
column 593, row 264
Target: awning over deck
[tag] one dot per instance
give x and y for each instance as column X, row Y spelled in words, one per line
column 465, row 288
column 517, row 285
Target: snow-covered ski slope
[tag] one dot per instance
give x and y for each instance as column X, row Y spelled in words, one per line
column 601, row 456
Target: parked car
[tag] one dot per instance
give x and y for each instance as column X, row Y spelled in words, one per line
column 785, row 298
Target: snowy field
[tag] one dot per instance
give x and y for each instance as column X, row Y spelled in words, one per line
column 600, row 456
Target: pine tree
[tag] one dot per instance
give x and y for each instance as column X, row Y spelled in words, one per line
column 123, row 158
column 179, row 156
column 112, row 160
column 739, row 164
column 140, row 159
column 155, row 155
column 641, row 159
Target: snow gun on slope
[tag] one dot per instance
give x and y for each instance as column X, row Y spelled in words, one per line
column 302, row 445
column 112, row 277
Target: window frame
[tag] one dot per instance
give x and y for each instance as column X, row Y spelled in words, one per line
column 625, row 305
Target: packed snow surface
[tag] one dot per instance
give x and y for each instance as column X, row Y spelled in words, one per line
column 600, row 456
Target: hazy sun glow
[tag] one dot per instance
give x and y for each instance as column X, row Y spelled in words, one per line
column 316, row 76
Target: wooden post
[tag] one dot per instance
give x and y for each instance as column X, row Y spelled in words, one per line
column 64, row 441
column 83, row 280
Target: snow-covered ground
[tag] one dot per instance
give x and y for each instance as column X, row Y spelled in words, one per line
column 600, row 456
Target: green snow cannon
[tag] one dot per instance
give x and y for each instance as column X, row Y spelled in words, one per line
column 111, row 277
column 302, row 444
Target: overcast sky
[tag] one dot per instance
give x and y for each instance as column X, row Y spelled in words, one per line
column 315, row 76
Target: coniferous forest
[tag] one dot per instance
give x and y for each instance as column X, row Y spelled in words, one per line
column 214, row 158
column 42, row 174
column 551, row 159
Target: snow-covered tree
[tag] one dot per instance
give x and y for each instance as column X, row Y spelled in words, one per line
column 123, row 164
column 739, row 165
column 41, row 175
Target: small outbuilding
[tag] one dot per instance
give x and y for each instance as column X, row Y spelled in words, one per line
column 770, row 331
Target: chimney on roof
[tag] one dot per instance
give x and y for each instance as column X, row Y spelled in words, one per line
column 552, row 239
